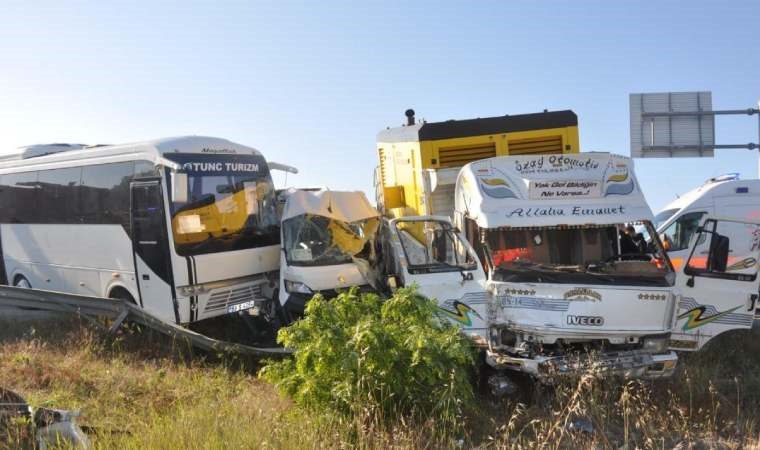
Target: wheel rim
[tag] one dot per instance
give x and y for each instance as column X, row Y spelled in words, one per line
column 23, row 283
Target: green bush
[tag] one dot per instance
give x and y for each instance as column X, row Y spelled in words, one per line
column 394, row 357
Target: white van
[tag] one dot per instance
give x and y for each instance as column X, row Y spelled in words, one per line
column 321, row 232
column 723, row 196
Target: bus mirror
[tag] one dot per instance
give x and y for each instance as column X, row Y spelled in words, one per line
column 179, row 187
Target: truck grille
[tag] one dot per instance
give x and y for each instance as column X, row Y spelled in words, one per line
column 220, row 300
column 459, row 156
column 536, row 146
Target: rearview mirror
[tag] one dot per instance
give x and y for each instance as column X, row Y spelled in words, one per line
column 224, row 189
column 719, row 248
column 440, row 250
column 179, row 187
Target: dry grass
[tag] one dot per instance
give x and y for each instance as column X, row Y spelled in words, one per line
column 139, row 393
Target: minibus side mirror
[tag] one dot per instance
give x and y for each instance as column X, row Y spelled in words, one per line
column 719, row 249
column 179, row 187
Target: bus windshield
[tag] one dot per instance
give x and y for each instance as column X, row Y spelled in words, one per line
column 231, row 204
column 627, row 254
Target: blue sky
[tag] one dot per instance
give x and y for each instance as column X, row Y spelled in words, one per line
column 311, row 83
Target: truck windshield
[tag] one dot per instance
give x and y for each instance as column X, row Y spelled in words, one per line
column 628, row 254
column 433, row 246
column 231, row 204
column 312, row 240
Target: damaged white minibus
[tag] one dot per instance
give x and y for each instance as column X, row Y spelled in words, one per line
column 322, row 231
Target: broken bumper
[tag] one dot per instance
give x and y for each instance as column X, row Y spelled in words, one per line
column 629, row 364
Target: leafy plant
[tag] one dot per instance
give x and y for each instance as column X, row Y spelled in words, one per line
column 395, row 357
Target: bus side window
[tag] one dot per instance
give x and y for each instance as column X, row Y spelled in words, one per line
column 105, row 193
column 18, row 198
column 59, row 195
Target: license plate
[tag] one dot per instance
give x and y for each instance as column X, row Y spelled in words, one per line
column 241, row 306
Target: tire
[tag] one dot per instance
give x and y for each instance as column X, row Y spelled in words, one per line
column 21, row 282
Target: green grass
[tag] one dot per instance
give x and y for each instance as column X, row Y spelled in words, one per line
column 140, row 394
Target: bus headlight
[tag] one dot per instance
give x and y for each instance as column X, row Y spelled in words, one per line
column 295, row 287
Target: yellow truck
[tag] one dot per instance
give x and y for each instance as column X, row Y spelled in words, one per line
column 419, row 162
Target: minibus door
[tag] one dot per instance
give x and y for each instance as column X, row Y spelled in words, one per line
column 718, row 284
column 150, row 243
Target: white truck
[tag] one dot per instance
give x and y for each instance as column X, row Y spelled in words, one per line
column 544, row 271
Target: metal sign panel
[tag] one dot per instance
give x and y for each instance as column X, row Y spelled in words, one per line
column 672, row 124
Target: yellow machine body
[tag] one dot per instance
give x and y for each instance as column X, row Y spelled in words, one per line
column 418, row 163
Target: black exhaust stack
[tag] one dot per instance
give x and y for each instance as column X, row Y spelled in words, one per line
column 409, row 117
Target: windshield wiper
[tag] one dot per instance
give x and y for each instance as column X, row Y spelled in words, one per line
column 600, row 276
column 532, row 265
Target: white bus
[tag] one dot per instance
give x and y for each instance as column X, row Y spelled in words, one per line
column 185, row 227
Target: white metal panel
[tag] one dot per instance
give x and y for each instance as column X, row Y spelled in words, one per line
column 212, row 267
column 442, row 201
column 688, row 136
column 496, row 192
column 439, row 189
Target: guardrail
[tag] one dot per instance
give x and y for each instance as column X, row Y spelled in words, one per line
column 120, row 311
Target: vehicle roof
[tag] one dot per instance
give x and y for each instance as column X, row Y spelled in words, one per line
column 712, row 188
column 346, row 206
column 152, row 150
column 427, row 131
column 551, row 190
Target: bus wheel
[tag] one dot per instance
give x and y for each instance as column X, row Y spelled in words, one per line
column 22, row 282
column 118, row 293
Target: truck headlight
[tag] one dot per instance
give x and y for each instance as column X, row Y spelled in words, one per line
column 656, row 345
column 295, row 287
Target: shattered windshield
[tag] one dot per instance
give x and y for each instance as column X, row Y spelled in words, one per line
column 592, row 254
column 311, row 240
column 433, row 246
column 231, row 204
